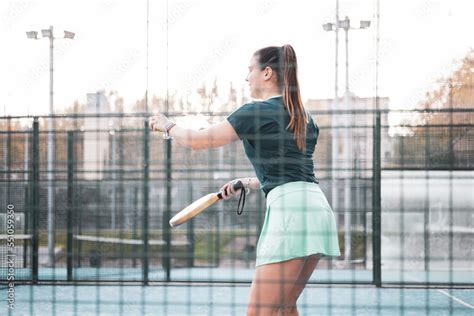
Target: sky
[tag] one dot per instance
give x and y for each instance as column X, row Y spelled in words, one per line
column 194, row 42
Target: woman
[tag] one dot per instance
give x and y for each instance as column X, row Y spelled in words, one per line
column 279, row 138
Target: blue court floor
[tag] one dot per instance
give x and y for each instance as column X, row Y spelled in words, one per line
column 207, row 299
column 177, row 298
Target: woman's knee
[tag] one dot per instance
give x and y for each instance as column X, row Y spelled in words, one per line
column 289, row 310
column 258, row 310
column 277, row 309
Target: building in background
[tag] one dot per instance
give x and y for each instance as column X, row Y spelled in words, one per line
column 96, row 136
column 360, row 129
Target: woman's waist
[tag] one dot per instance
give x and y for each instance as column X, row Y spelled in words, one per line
column 291, row 187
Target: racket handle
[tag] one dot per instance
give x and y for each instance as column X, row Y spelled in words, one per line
column 238, row 185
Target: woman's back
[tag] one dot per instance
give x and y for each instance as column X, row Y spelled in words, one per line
column 270, row 146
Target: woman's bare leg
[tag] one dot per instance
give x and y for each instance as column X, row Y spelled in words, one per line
column 272, row 286
column 308, row 268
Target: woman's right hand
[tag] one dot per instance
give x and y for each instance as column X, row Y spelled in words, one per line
column 228, row 189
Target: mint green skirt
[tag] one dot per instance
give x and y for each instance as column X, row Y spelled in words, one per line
column 298, row 222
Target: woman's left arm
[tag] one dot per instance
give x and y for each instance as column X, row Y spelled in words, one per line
column 214, row 136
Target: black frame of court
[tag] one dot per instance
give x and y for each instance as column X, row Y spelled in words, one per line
column 33, row 195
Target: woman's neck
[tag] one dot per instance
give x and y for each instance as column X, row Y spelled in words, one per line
column 269, row 94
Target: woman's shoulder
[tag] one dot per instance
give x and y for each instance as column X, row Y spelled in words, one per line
column 243, row 107
column 255, row 106
column 312, row 122
column 263, row 108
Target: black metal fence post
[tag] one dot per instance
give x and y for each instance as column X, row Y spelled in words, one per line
column 451, row 164
column 426, row 209
column 167, row 213
column 35, row 200
column 146, row 167
column 25, row 226
column 135, row 221
column 190, row 227
column 9, row 158
column 376, row 204
column 70, row 202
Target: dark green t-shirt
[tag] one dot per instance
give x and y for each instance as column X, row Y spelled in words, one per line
column 270, row 147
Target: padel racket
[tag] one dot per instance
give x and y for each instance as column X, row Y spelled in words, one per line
column 200, row 205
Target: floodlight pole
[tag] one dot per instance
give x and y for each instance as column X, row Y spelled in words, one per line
column 49, row 33
column 335, row 120
column 348, row 152
column 348, row 147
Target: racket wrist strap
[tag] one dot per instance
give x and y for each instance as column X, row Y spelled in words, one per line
column 243, row 193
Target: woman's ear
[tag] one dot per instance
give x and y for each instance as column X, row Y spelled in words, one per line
column 268, row 73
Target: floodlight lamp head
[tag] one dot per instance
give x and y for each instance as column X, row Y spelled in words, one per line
column 32, row 35
column 69, row 35
column 328, row 27
column 47, row 33
column 364, row 24
column 345, row 24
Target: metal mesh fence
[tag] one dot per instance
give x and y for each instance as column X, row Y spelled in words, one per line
column 114, row 191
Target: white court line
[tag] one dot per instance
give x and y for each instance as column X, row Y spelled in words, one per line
column 454, row 298
column 460, row 301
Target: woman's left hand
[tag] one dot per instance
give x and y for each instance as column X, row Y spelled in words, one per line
column 158, row 122
column 228, row 189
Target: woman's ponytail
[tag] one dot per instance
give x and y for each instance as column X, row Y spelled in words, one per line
column 283, row 61
column 292, row 96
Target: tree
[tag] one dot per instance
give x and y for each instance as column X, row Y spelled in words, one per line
column 444, row 135
column 455, row 91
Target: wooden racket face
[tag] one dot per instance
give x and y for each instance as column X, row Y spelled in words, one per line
column 194, row 209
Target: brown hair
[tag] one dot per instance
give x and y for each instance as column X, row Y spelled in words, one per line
column 283, row 61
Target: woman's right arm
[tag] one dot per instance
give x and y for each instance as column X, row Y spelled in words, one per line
column 217, row 135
